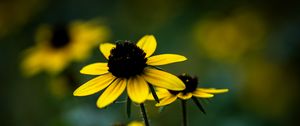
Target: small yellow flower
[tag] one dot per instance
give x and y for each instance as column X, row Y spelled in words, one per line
column 132, row 123
column 129, row 65
column 191, row 90
column 56, row 46
column 136, row 123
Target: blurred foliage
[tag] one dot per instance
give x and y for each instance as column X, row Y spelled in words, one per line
column 267, row 90
column 16, row 13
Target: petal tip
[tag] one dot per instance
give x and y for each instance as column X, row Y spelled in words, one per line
column 223, row 90
column 210, row 96
column 81, row 71
column 79, row 93
column 100, row 106
column 158, row 105
column 76, row 93
column 138, row 101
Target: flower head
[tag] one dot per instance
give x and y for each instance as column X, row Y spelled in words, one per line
column 136, row 123
column 130, row 66
column 132, row 123
column 191, row 91
column 58, row 45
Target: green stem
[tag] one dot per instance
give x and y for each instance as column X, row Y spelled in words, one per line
column 153, row 93
column 143, row 110
column 198, row 104
column 184, row 116
column 128, row 107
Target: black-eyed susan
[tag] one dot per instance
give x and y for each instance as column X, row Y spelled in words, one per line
column 129, row 65
column 58, row 45
column 190, row 92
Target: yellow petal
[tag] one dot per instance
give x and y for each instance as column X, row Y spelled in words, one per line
column 33, row 61
column 201, row 94
column 136, row 123
column 213, row 90
column 160, row 92
column 163, row 79
column 148, row 44
column 166, row 100
column 165, row 59
column 95, row 69
column 105, row 49
column 111, row 93
column 184, row 96
column 94, row 85
column 56, row 61
column 137, row 89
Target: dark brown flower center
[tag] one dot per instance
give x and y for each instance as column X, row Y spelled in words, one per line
column 60, row 36
column 190, row 84
column 126, row 60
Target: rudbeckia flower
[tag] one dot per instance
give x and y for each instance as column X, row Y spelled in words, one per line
column 130, row 66
column 58, row 45
column 191, row 91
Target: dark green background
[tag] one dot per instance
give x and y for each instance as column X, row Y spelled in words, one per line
column 28, row 102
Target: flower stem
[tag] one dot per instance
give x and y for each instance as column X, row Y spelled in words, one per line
column 153, row 93
column 184, row 116
column 128, row 107
column 198, row 104
column 143, row 110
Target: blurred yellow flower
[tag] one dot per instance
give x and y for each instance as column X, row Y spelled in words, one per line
column 132, row 123
column 129, row 65
column 230, row 38
column 136, row 123
column 191, row 91
column 56, row 46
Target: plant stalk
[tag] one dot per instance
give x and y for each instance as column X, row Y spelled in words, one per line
column 143, row 110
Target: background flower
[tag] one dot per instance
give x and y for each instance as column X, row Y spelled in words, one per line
column 58, row 45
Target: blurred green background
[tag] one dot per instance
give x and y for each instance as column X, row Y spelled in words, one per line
column 250, row 47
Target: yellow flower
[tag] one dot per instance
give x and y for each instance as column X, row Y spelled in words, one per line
column 56, row 46
column 238, row 34
column 132, row 123
column 191, row 91
column 129, row 65
column 136, row 123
